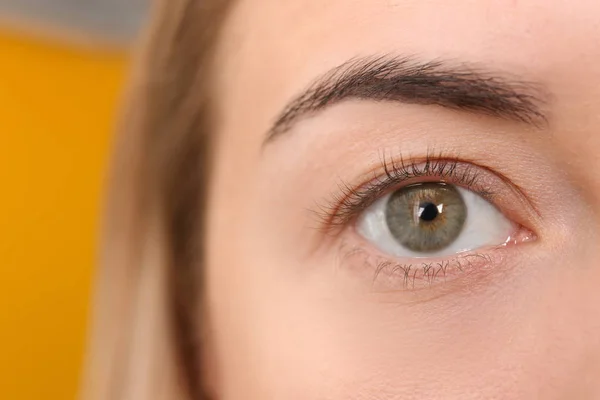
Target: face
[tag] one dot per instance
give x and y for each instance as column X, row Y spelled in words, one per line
column 405, row 199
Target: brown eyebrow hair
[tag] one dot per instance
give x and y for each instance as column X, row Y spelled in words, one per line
column 457, row 86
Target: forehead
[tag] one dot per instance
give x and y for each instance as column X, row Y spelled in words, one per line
column 274, row 48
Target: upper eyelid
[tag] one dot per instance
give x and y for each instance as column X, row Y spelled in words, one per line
column 390, row 175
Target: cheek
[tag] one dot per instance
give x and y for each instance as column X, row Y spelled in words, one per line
column 303, row 334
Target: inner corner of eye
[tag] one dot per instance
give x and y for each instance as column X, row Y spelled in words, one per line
column 433, row 219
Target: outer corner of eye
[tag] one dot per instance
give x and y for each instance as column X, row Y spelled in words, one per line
column 434, row 219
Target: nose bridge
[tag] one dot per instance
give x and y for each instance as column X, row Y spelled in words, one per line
column 575, row 139
column 582, row 170
column 569, row 344
column 583, row 342
column 565, row 310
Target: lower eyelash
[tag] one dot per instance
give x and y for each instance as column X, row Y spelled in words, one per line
column 387, row 275
column 425, row 274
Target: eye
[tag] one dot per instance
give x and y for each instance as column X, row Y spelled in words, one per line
column 433, row 219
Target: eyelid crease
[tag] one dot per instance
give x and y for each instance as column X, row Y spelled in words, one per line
column 350, row 202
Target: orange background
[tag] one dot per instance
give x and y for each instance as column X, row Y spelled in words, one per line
column 57, row 106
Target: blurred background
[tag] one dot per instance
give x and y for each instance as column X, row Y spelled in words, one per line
column 62, row 67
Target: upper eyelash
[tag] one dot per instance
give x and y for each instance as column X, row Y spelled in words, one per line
column 349, row 202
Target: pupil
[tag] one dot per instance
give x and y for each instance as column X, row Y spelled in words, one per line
column 428, row 212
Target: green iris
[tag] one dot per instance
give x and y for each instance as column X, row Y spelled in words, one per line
column 426, row 217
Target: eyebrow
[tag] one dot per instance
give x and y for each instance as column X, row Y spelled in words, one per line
column 457, row 86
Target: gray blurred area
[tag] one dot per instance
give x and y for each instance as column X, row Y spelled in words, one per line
column 112, row 20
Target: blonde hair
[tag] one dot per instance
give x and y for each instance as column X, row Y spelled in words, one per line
column 145, row 334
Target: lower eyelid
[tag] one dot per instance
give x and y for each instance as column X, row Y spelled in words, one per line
column 383, row 274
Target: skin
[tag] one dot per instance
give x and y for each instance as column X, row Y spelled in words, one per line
column 293, row 315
